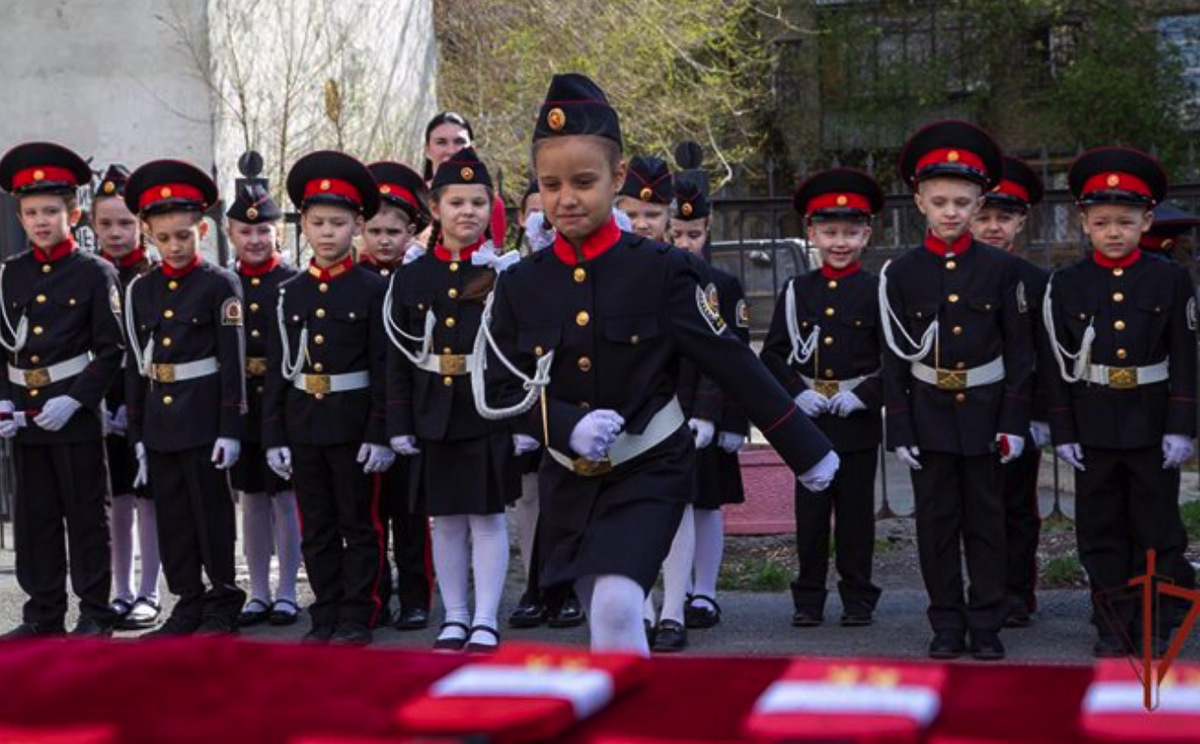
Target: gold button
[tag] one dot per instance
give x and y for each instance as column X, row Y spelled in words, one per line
column 318, row 339
column 320, row 312
column 829, row 311
column 319, row 396
column 585, row 364
column 447, row 381
column 255, row 333
column 167, row 341
column 1118, row 297
column 957, row 330
column 41, row 299
column 951, row 265
column 450, row 322
column 452, row 293
column 255, row 282
column 168, row 313
column 582, row 318
column 168, row 400
column 47, row 268
column 454, row 265
column 35, row 359
column 259, row 389
column 829, row 340
column 254, row 307
column 829, row 374
column 1121, row 353
column 580, row 275
column 323, row 287
column 318, row 367
column 1118, row 271
column 953, row 298
column 538, row 351
column 71, row 302
column 832, row 284
column 960, row 397
column 1119, row 325
column 960, row 365
column 38, row 330
column 635, row 339
column 172, row 284
column 34, row 393
column 447, row 350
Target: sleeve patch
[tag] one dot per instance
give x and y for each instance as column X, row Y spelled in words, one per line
column 231, row 312
column 743, row 314
column 709, row 305
column 1022, row 303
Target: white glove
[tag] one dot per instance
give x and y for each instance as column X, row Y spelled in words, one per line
column 226, row 452
column 414, row 252
column 1072, row 454
column 523, row 443
column 702, row 432
column 117, row 424
column 375, row 457
column 845, row 403
column 595, row 433
column 57, row 412
column 909, row 456
column 1010, row 443
column 819, row 476
column 731, row 442
column 1039, row 431
column 812, row 403
column 279, row 459
column 143, row 472
column 1176, row 449
column 538, row 232
column 405, row 445
column 8, row 426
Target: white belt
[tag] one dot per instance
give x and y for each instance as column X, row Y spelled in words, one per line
column 830, row 388
column 447, row 364
column 959, row 379
column 185, row 371
column 1127, row 378
column 628, row 446
column 42, row 376
column 323, row 384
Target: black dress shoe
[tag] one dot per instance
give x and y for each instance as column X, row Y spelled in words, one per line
column 669, row 637
column 284, row 612
column 527, row 615
column 947, row 644
column 856, row 619
column 218, row 625
column 351, row 633
column 568, row 615
column 33, row 630
column 1109, row 647
column 701, row 612
column 650, row 632
column 483, row 648
column 803, row 618
column 318, row 634
column 1018, row 614
column 256, row 612
column 986, row 646
column 452, row 643
column 142, row 615
column 88, row 627
column 174, row 627
column 411, row 618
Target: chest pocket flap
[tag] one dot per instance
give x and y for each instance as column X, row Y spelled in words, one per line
column 631, row 329
column 538, row 340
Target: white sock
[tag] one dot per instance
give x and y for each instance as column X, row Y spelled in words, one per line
column 614, row 613
column 710, row 544
column 147, row 527
column 258, row 535
column 287, row 543
column 677, row 568
column 451, row 555
column 525, row 516
column 120, row 528
column 489, row 560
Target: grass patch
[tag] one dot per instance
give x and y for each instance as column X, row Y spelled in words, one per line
column 1061, row 572
column 754, row 575
column 1191, row 519
column 1057, row 523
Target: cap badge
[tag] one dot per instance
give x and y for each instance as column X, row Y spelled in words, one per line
column 39, row 174
column 556, row 119
column 326, row 185
column 385, row 189
column 952, row 156
column 842, row 200
column 252, row 213
column 646, row 194
column 1114, row 180
column 109, row 187
column 165, row 192
column 686, row 209
column 467, row 174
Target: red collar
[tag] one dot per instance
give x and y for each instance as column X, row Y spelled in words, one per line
column 593, row 245
column 62, row 250
column 831, row 273
column 329, row 273
column 370, row 260
column 137, row 255
column 1116, row 263
column 957, row 248
column 174, row 273
column 464, row 254
column 263, row 268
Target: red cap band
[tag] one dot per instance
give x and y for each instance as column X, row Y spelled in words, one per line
column 392, row 189
column 1012, row 188
column 1116, row 181
column 332, row 186
column 950, row 156
column 34, row 176
column 163, row 192
column 838, row 201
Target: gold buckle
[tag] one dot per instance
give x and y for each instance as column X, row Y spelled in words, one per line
column 452, row 364
column 318, row 384
column 256, row 366
column 164, row 373
column 591, row 468
column 1122, row 378
column 827, row 388
column 950, row 379
column 36, row 378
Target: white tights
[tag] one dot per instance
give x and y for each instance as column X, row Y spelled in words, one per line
column 481, row 541
column 270, row 523
column 121, row 530
column 614, row 613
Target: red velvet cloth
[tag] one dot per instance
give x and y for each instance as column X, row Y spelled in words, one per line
column 214, row 689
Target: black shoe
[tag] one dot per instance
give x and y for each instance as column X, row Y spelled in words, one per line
column 411, row 618
column 650, row 631
column 33, row 630
column 568, row 615
column 351, row 633
column 218, row 625
column 1018, row 614
column 803, row 618
column 856, row 619
column 256, row 612
column 669, row 637
column 88, row 627
column 318, row 634
column 174, row 627
column 483, row 648
column 1108, row 647
column 284, row 612
column 452, row 644
column 120, row 608
column 947, row 644
column 986, row 645
column 701, row 612
column 527, row 615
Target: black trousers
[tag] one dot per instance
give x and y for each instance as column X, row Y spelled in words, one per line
column 1126, row 504
column 196, row 532
column 410, row 541
column 960, row 506
column 57, row 485
column 1022, row 525
column 850, row 499
column 341, row 536
column 552, row 597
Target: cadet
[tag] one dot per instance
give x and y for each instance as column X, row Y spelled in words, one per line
column 403, row 212
column 270, row 522
column 185, row 393
column 60, row 312
column 120, row 236
column 998, row 223
column 1122, row 333
column 1170, row 224
column 956, row 382
column 446, row 134
column 323, row 414
column 824, row 348
column 646, row 197
column 592, row 330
